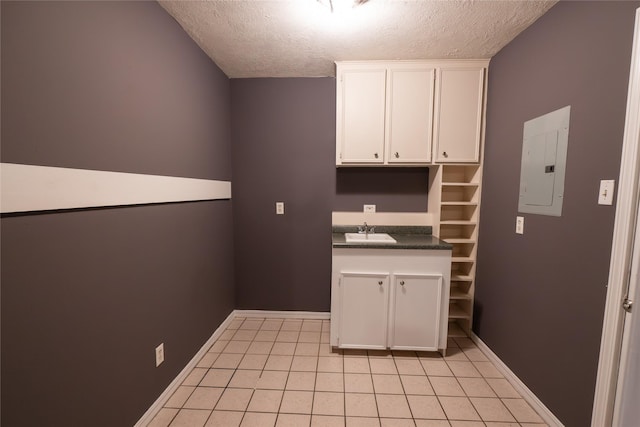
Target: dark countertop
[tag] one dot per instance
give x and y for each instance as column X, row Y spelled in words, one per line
column 407, row 237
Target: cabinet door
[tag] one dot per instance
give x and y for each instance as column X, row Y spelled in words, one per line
column 360, row 116
column 410, row 115
column 363, row 310
column 458, row 114
column 416, row 312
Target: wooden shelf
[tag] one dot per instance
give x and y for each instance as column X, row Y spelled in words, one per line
column 458, row 294
column 466, row 212
column 454, row 241
column 462, row 259
column 460, row 184
column 460, row 193
column 456, row 331
column 458, row 222
column 461, row 278
column 457, row 231
column 463, row 173
column 459, row 203
column 456, row 312
column 462, row 268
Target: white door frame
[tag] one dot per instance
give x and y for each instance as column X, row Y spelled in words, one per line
column 626, row 219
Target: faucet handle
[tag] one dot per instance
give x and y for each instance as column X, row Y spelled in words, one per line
column 372, row 229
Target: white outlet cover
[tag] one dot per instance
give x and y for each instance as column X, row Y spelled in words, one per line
column 159, row 354
column 369, row 208
column 280, row 208
column 520, row 225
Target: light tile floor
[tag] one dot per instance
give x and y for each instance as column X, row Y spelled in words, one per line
column 282, row 372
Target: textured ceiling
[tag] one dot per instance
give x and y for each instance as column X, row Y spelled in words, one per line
column 301, row 38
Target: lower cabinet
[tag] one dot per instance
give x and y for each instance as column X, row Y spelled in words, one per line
column 415, row 312
column 395, row 299
column 364, row 308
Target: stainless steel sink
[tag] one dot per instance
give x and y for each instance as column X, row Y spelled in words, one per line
column 369, row 238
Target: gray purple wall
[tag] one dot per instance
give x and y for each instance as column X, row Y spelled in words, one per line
column 88, row 294
column 540, row 296
column 399, row 189
column 284, row 150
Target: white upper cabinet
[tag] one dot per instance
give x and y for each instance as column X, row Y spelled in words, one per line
column 409, row 112
column 410, row 115
column 384, row 113
column 458, row 114
column 361, row 115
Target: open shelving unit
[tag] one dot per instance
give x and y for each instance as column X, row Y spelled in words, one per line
column 458, row 224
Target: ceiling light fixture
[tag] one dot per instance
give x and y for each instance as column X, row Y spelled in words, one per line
column 337, row 6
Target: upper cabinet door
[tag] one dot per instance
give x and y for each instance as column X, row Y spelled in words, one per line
column 458, row 114
column 361, row 116
column 410, row 115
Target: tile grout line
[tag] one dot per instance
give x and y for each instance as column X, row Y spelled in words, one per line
column 406, row 399
column 253, row 392
column 208, row 369
column 317, row 355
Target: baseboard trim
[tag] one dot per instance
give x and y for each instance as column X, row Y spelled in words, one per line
column 520, row 387
column 166, row 394
column 272, row 314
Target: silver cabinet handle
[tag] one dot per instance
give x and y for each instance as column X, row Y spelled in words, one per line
column 375, row 155
column 380, row 282
column 401, row 282
column 444, row 153
column 397, row 154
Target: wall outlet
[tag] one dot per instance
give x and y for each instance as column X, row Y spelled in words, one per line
column 520, row 225
column 279, row 208
column 369, row 208
column 159, row 354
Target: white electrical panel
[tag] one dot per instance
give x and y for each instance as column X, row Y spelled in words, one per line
column 544, row 157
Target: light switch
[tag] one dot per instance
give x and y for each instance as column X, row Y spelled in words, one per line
column 605, row 197
column 520, row 225
column 280, row 208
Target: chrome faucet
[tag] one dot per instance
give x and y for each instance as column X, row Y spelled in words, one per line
column 366, row 229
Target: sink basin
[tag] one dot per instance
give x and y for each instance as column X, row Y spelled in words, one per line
column 369, row 238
